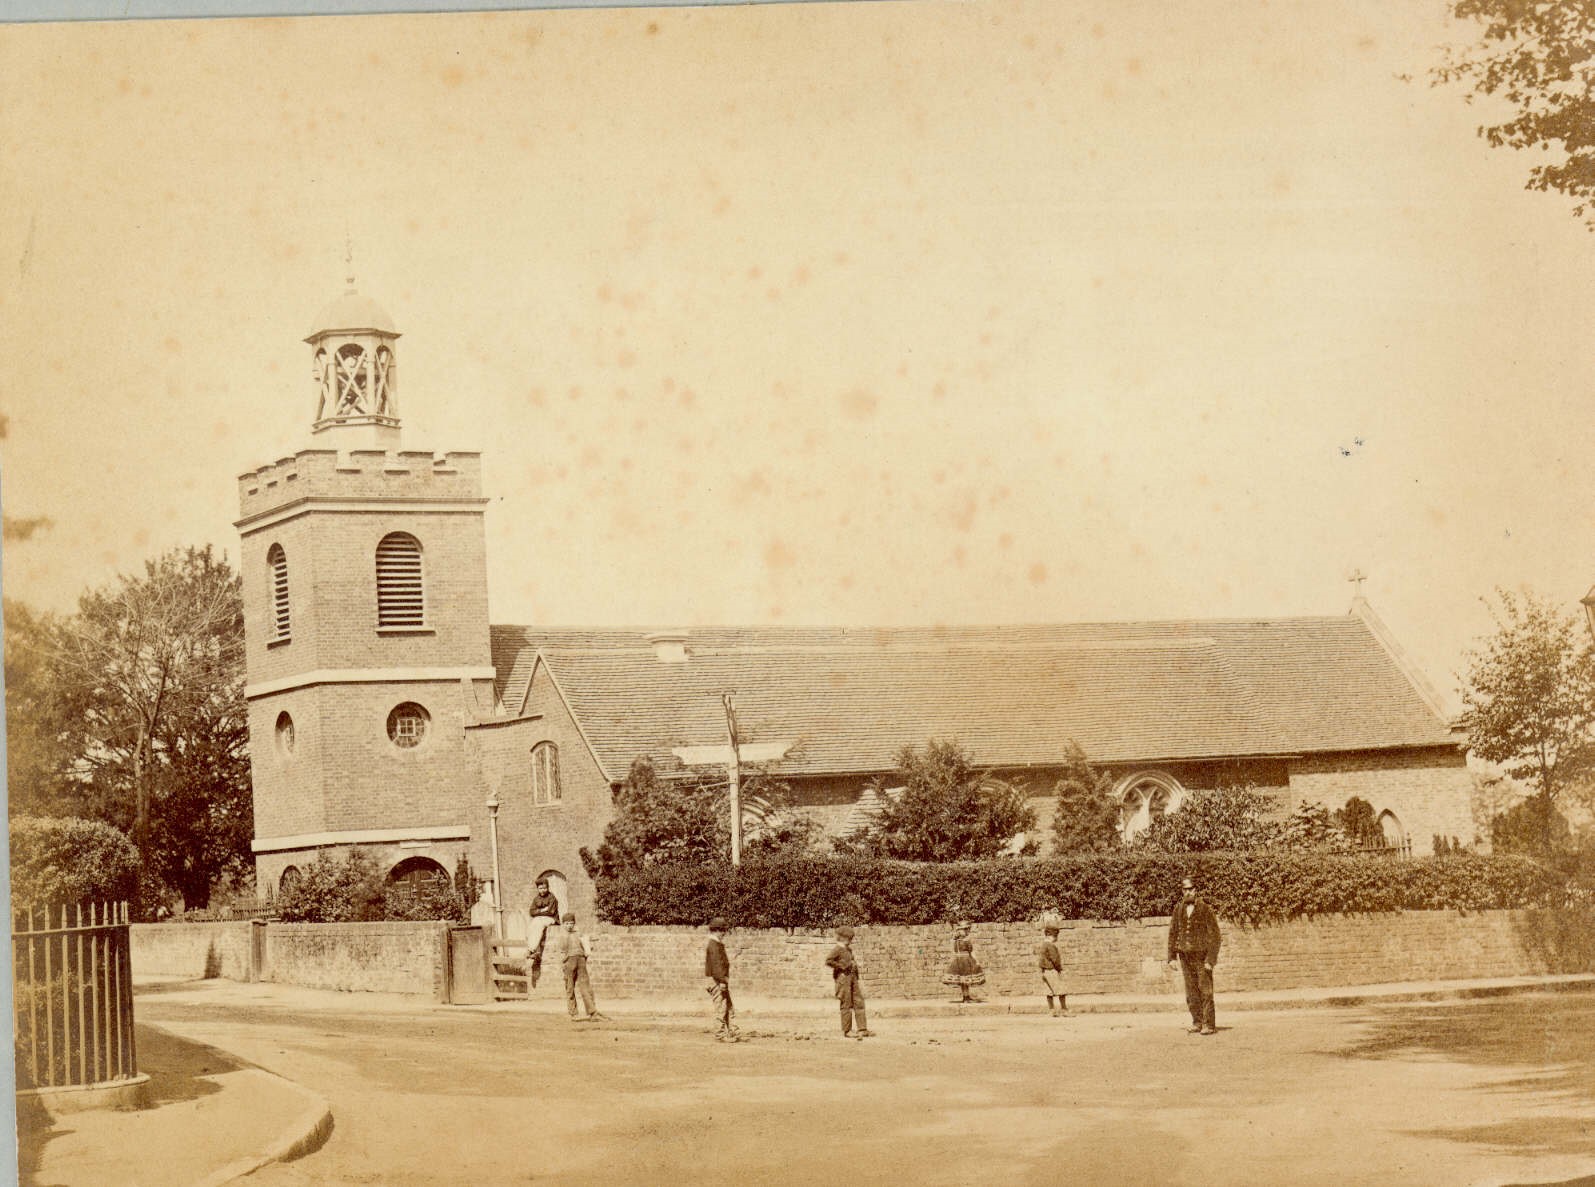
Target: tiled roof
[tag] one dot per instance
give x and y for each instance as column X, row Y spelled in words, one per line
column 1013, row 696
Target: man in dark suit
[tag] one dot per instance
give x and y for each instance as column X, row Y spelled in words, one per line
column 1194, row 940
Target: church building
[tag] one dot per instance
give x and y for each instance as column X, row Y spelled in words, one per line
column 386, row 712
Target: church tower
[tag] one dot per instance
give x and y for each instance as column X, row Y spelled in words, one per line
column 365, row 620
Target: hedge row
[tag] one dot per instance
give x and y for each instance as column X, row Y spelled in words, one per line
column 825, row 892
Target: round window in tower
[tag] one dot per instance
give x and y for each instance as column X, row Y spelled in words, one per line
column 285, row 734
column 407, row 725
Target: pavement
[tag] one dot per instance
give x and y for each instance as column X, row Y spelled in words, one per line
column 215, row 1118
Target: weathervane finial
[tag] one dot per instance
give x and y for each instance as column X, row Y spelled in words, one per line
column 348, row 258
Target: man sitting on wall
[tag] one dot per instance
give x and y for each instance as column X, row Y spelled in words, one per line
column 1194, row 939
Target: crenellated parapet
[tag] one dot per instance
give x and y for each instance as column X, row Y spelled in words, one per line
column 360, row 474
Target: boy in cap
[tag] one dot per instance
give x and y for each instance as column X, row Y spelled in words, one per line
column 1194, row 939
column 717, row 975
column 1050, row 961
column 571, row 950
column 849, row 988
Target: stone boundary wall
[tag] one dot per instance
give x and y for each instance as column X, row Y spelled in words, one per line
column 374, row 957
column 377, row 957
column 192, row 950
column 908, row 962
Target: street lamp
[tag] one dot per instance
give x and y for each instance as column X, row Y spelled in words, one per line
column 492, row 833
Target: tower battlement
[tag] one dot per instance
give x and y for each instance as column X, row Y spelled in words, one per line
column 360, row 474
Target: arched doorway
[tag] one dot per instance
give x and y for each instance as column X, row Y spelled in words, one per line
column 416, row 875
column 289, row 880
column 1395, row 837
column 1143, row 797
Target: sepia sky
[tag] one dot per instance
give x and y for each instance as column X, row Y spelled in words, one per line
column 858, row 313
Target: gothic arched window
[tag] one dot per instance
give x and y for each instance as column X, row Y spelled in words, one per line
column 545, row 774
column 400, row 598
column 277, row 562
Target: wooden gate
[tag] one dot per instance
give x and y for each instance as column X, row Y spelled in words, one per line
column 72, row 1011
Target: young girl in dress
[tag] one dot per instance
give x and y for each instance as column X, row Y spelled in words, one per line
column 964, row 970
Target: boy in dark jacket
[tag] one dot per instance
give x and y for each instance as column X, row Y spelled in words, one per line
column 717, row 977
column 849, row 987
column 1194, row 939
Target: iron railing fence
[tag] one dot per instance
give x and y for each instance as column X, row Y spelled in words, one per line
column 72, row 1010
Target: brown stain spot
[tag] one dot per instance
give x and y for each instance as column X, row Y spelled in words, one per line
column 846, row 582
column 173, row 346
column 220, row 429
column 755, row 272
column 960, row 556
column 652, row 29
column 125, row 85
column 141, row 538
column 605, row 293
column 1098, row 31
column 939, row 392
column 1133, row 66
column 1435, row 515
column 1005, row 540
column 722, row 204
column 964, row 513
column 1280, row 183
column 452, row 76
column 1037, row 574
column 575, row 393
column 626, row 358
column 859, row 404
column 778, row 556
column 1366, row 43
column 751, row 485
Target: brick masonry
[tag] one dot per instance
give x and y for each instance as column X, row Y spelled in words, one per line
column 373, row 957
column 908, row 962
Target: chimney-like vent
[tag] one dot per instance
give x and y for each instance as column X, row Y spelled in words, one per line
column 670, row 647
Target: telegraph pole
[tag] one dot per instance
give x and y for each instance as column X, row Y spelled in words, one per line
column 734, row 778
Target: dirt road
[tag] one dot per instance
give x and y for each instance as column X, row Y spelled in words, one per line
column 1492, row 1092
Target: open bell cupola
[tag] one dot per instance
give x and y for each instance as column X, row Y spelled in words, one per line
column 355, row 373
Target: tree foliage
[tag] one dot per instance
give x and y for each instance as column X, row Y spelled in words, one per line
column 1229, row 819
column 1539, row 59
column 1529, row 702
column 330, row 890
column 1359, row 823
column 64, row 860
column 133, row 713
column 947, row 810
column 687, row 818
column 1086, row 819
column 1533, row 827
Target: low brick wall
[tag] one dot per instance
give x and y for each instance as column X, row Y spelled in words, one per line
column 376, row 957
column 908, row 962
column 191, row 950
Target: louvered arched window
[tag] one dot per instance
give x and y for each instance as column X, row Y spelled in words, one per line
column 277, row 562
column 400, row 600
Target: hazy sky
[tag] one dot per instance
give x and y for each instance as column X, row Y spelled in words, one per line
column 867, row 313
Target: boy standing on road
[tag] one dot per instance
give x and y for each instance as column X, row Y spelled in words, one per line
column 1194, row 939
column 717, row 977
column 1051, row 963
column 849, row 988
column 571, row 951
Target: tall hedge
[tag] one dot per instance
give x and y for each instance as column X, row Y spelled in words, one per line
column 825, row 892
column 66, row 860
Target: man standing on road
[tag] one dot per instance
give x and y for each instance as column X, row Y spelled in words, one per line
column 1194, row 940
column 717, row 980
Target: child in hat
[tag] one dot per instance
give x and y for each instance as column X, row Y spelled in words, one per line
column 1050, row 961
column 965, row 970
column 849, row 987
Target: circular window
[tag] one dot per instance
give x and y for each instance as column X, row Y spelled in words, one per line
column 407, row 725
column 285, row 733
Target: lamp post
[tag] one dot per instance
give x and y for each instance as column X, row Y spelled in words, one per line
column 1588, row 602
column 498, row 898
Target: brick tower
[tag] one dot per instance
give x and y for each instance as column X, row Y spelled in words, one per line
column 365, row 621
